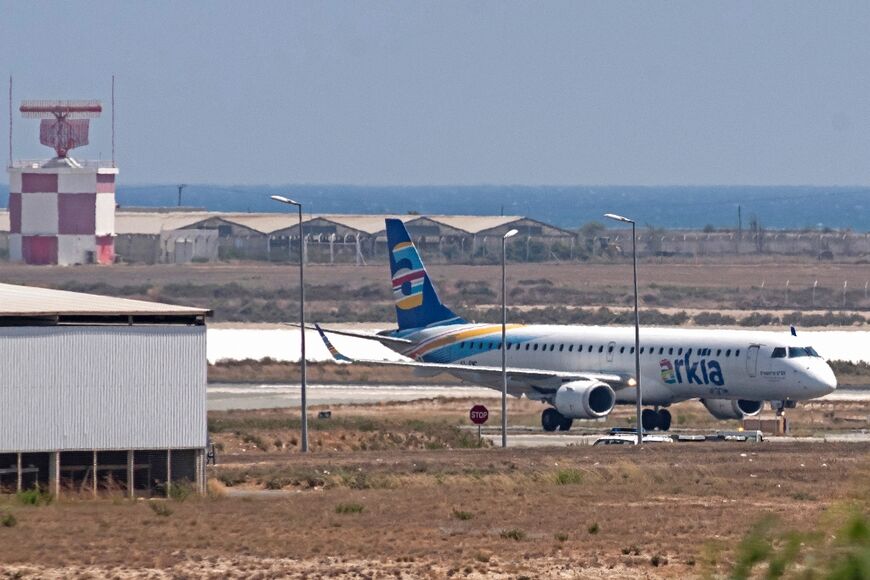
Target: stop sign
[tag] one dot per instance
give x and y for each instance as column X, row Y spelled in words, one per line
column 478, row 414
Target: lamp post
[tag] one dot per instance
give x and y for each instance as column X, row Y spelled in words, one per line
column 623, row 219
column 302, row 360
column 504, row 238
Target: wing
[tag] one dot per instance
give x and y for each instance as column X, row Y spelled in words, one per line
column 533, row 383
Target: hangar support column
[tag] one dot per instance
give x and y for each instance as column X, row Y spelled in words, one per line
column 131, row 482
column 54, row 473
column 18, row 473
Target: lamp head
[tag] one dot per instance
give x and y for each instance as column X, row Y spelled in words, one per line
column 282, row 199
column 510, row 234
column 618, row 218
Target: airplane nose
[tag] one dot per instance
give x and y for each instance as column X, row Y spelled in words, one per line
column 826, row 379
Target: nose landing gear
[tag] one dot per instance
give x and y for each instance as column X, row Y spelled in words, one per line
column 551, row 419
column 656, row 419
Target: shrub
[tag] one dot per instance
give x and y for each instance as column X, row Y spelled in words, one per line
column 561, row 537
column 349, row 508
column 461, row 515
column 8, row 520
column 34, row 496
column 569, row 477
column 593, row 528
column 514, row 534
column 179, row 491
column 160, row 508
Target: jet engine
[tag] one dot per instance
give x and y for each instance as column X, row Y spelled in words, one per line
column 732, row 409
column 584, row 400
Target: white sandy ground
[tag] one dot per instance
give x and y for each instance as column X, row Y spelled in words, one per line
column 281, row 342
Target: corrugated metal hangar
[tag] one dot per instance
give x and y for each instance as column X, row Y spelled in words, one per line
column 178, row 236
column 100, row 393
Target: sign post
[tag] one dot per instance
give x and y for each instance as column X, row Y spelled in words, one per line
column 478, row 415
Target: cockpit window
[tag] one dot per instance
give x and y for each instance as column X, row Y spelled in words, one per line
column 778, row 352
column 796, row 351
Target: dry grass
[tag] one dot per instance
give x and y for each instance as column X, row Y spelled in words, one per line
column 659, row 509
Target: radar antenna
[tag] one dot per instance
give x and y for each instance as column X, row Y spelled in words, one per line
column 64, row 124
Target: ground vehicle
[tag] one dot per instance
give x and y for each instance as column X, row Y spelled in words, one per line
column 626, row 439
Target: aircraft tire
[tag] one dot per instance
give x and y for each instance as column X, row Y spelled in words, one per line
column 551, row 419
column 565, row 424
column 664, row 419
column 649, row 419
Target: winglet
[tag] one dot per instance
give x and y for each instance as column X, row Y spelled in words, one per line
column 332, row 350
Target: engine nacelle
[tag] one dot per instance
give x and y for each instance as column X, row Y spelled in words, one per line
column 584, row 400
column 732, row 409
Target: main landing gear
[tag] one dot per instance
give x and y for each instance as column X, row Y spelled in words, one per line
column 551, row 419
column 656, row 419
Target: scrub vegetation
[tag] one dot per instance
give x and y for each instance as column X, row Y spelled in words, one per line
column 672, row 290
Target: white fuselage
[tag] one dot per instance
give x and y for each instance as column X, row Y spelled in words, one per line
column 675, row 364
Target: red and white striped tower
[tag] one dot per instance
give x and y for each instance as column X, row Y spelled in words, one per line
column 62, row 211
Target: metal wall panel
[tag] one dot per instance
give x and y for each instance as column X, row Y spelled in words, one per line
column 39, row 214
column 102, row 387
column 105, row 214
column 79, row 181
column 73, row 249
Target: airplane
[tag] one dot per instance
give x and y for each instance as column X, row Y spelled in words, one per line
column 582, row 372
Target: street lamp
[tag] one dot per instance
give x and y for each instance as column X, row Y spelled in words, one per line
column 619, row 218
column 504, row 238
column 302, row 360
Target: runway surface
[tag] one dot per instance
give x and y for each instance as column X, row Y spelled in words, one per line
column 222, row 397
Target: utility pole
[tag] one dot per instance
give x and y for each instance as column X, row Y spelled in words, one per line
column 180, row 189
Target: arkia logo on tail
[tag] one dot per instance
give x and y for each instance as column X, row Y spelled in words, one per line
column 685, row 370
column 409, row 277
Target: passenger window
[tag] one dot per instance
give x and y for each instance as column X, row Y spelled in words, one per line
column 590, row 348
column 778, row 352
column 610, row 348
column 680, row 351
column 535, row 347
column 621, row 349
column 662, row 350
column 561, row 347
column 728, row 352
column 719, row 352
column 737, row 352
column 601, row 348
column 527, row 346
column 641, row 350
column 671, row 350
column 579, row 348
column 632, row 350
column 570, row 348
column 552, row 347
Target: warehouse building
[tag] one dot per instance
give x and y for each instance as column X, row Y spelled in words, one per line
column 100, row 393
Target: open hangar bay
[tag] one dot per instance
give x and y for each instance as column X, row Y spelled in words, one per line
column 100, row 393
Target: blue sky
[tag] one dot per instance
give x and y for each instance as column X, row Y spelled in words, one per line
column 399, row 93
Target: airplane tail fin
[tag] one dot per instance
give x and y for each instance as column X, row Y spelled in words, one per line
column 417, row 303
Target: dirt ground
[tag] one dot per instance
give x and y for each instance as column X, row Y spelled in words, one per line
column 422, row 500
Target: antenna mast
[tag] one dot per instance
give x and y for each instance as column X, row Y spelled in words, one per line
column 113, row 120
column 10, row 120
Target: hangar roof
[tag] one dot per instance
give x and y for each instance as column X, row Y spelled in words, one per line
column 26, row 302
column 141, row 222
